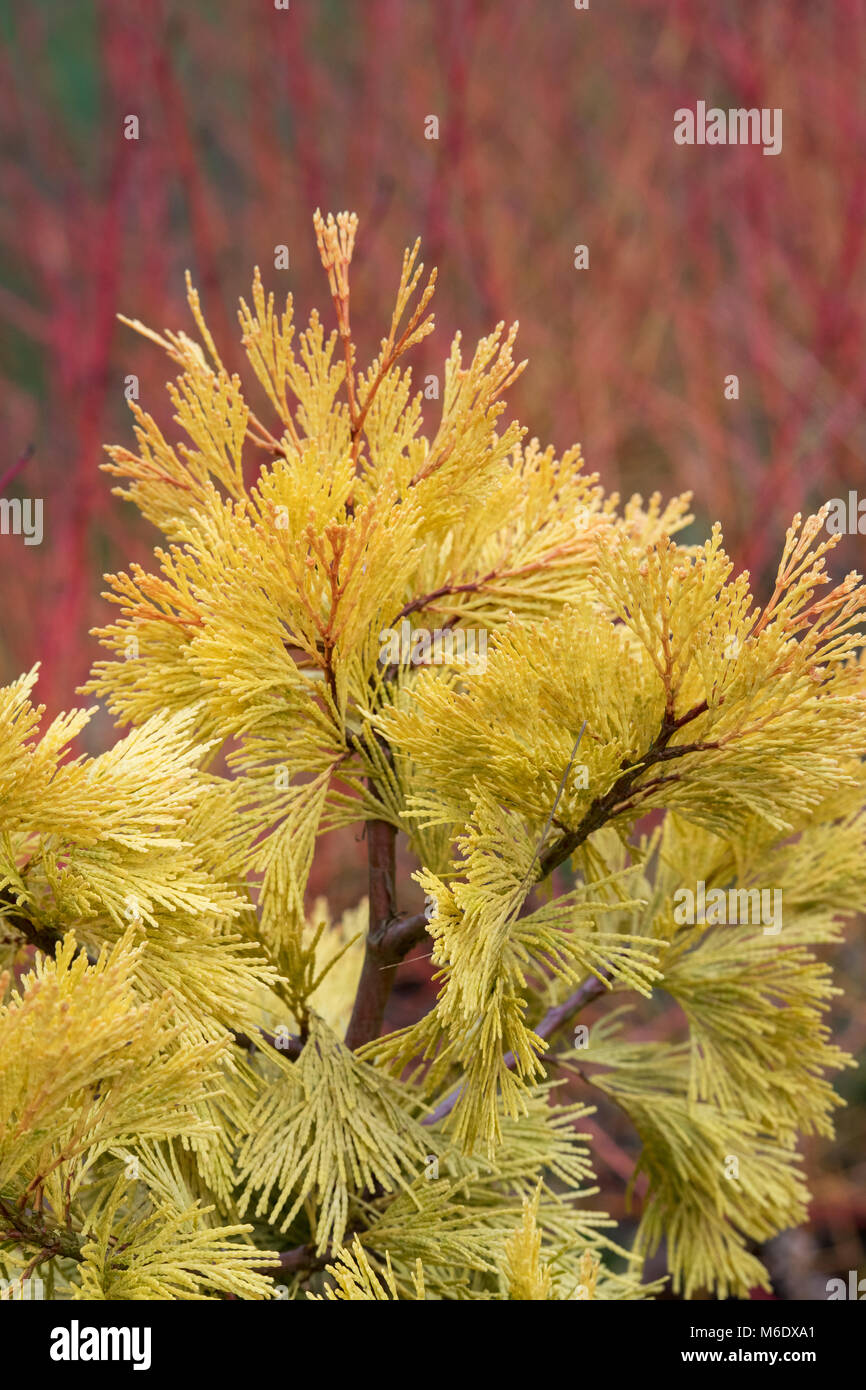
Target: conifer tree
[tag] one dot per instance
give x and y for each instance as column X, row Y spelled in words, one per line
column 454, row 636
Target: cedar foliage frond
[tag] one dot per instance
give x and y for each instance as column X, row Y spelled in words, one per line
column 356, row 1281
column 529, row 1278
column 332, row 1126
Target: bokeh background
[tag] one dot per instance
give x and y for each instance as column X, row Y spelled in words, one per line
column 555, row 130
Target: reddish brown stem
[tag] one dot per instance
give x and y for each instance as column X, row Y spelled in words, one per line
column 390, row 936
column 375, row 983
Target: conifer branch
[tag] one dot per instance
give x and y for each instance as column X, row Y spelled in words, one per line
column 45, row 939
column 402, row 934
column 474, row 586
column 303, row 1258
column 25, row 1228
column 553, row 1020
column 619, row 796
column 560, row 1014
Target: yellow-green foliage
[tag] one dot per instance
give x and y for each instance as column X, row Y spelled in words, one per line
column 186, row 1089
